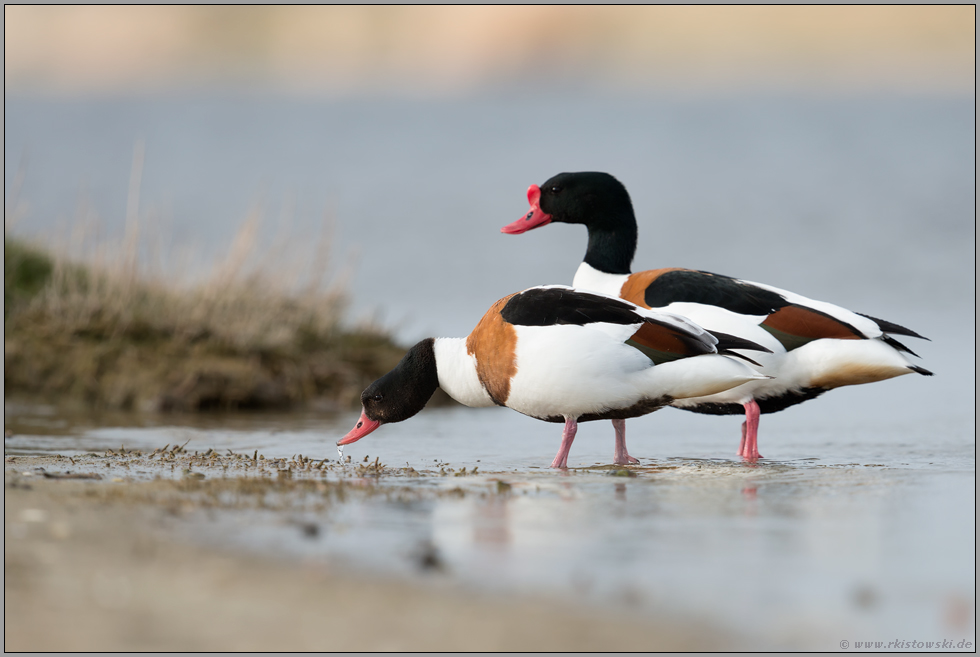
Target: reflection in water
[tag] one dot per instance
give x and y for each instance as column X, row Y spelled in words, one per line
column 428, row 558
column 490, row 522
column 749, row 495
column 957, row 613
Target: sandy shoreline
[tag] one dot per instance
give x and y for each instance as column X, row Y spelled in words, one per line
column 100, row 565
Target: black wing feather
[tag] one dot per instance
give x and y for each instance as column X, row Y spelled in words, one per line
column 889, row 340
column 728, row 342
column 891, row 327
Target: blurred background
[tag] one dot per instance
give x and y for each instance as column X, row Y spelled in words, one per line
column 818, row 128
column 452, row 51
column 326, row 185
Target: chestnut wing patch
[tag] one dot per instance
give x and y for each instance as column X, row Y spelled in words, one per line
column 690, row 286
column 794, row 326
column 554, row 306
column 663, row 343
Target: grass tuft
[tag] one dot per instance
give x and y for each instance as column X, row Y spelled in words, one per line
column 251, row 335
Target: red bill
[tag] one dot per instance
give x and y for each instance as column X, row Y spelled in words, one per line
column 533, row 219
column 364, row 426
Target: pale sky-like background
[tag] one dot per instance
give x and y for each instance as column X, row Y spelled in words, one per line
column 451, row 50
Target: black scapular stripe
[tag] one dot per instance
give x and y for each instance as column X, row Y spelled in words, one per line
column 555, row 306
column 550, row 306
column 690, row 286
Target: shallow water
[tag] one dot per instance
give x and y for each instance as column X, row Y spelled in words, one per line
column 849, row 530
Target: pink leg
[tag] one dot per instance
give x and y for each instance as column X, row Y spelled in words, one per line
column 750, row 451
column 741, row 445
column 621, row 456
column 567, row 436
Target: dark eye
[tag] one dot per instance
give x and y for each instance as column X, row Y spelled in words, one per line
column 555, row 189
column 377, row 397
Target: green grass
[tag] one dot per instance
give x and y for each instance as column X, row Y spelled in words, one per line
column 26, row 270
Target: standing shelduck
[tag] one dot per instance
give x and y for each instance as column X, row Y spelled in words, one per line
column 816, row 346
column 562, row 355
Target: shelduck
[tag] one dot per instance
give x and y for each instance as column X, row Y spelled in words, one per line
column 816, row 346
column 562, row 355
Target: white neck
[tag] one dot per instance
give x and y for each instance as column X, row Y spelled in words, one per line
column 588, row 278
column 457, row 373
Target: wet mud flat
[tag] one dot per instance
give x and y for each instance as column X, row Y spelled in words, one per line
column 104, row 552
